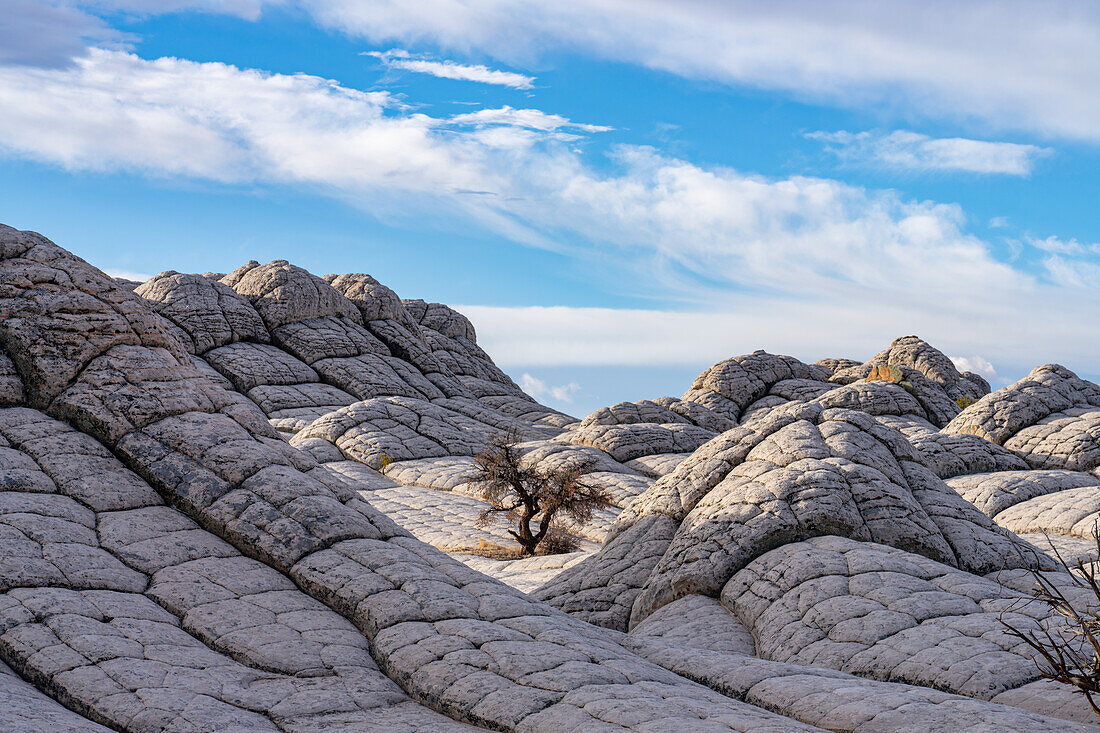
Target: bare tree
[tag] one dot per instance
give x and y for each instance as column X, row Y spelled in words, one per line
column 528, row 496
column 1070, row 652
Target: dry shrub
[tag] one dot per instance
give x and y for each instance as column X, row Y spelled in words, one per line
column 1069, row 650
column 528, row 495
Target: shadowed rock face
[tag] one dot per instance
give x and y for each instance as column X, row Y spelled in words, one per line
column 199, row 475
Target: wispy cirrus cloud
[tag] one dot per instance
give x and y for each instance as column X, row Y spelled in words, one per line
column 1059, row 246
column 400, row 59
column 1072, row 273
column 902, row 150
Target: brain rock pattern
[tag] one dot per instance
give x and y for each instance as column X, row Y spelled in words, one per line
column 200, row 477
column 1050, row 418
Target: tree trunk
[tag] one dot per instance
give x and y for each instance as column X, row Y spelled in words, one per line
column 526, row 540
column 544, row 525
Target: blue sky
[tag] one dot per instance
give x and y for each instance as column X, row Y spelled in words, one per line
column 618, row 194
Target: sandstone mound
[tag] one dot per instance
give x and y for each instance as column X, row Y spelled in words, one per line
column 226, row 558
column 803, row 470
column 911, row 351
column 1050, row 418
column 301, row 346
column 202, row 473
column 730, row 386
column 886, row 628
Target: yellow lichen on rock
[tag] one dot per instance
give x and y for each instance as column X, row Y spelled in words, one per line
column 885, row 373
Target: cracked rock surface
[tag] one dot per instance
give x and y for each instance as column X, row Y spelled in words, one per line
column 226, row 503
column 1050, row 418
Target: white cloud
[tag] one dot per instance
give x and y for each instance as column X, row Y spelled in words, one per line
column 975, row 364
column 1004, row 63
column 47, row 34
column 538, row 389
column 1068, row 263
column 51, row 33
column 517, row 129
column 911, row 151
column 564, row 336
column 532, row 119
column 1073, row 274
column 1000, row 63
column 796, row 263
column 115, row 111
column 399, row 59
column 128, row 275
column 795, row 237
